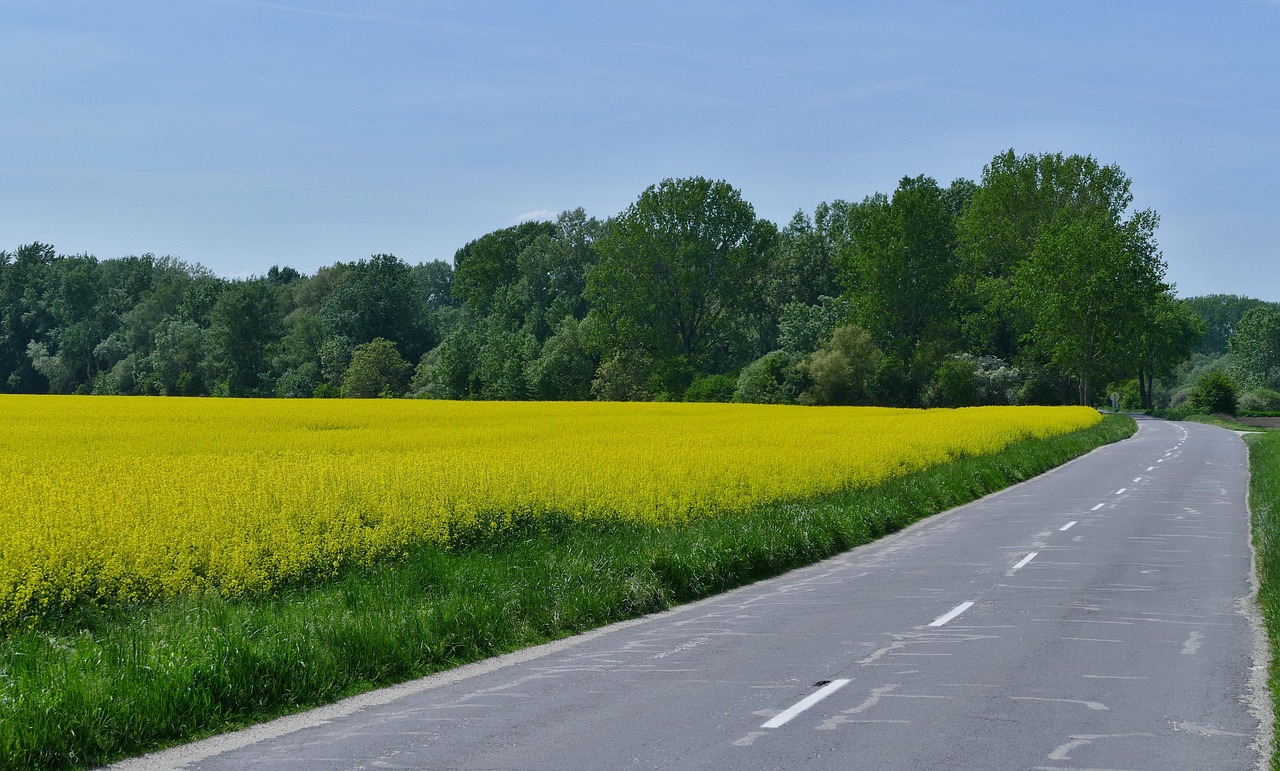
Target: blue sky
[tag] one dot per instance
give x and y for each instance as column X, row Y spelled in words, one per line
column 243, row 134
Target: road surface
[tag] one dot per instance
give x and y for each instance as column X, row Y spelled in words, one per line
column 1096, row 617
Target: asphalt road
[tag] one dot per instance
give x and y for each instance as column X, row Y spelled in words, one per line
column 1096, row 617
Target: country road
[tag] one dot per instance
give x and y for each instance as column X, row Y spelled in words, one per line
column 1096, row 617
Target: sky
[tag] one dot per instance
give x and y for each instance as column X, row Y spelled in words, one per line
column 240, row 134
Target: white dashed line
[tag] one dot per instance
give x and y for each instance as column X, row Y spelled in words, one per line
column 1121, row 490
column 785, row 716
column 1095, row 508
column 957, row 610
column 1066, row 527
column 1137, row 479
column 1023, row 561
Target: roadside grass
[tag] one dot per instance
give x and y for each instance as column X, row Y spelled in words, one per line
column 1264, row 502
column 1224, row 421
column 101, row 684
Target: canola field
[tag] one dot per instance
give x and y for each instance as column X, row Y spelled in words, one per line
column 127, row 499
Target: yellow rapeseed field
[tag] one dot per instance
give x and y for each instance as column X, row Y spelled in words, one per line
column 127, row 498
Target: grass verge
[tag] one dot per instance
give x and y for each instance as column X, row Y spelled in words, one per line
column 110, row 683
column 1264, row 502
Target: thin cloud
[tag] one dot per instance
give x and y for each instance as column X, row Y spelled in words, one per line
column 536, row 214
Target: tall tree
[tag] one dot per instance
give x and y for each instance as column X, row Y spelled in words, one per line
column 1166, row 338
column 1017, row 200
column 899, row 267
column 247, row 324
column 678, row 270
column 1087, row 286
column 375, row 298
column 1255, row 348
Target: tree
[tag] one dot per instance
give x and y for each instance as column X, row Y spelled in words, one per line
column 492, row 261
column 774, row 378
column 1017, row 200
column 899, row 267
column 678, row 270
column 1166, row 338
column 1087, row 287
column 376, row 298
column 1221, row 314
column 1255, row 348
column 1215, row 393
column 247, row 322
column 842, row 370
column 377, row 369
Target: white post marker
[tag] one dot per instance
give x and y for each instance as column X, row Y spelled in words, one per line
column 957, row 610
column 785, row 716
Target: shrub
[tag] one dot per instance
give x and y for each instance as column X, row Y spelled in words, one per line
column 771, row 379
column 711, row 388
column 377, row 369
column 843, row 369
column 1259, row 400
column 1214, row 393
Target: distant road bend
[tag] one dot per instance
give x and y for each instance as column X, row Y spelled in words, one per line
column 1099, row 616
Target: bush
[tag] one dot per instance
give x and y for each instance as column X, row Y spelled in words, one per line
column 1259, row 400
column 843, row 369
column 377, row 369
column 771, row 379
column 1215, row 393
column 711, row 388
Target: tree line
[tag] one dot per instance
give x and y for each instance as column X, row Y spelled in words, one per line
column 1039, row 283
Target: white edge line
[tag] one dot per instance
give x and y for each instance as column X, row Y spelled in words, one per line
column 957, row 610
column 1095, row 508
column 784, row 717
column 1067, row 526
column 1024, row 561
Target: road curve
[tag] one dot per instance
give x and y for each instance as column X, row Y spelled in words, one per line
column 1099, row 616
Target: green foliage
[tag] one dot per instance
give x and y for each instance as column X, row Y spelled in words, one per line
column 1213, row 394
column 624, row 376
column 899, row 267
column 377, row 369
column 775, row 378
column 1259, row 400
column 843, row 369
column 485, row 265
column 1220, row 314
column 802, row 328
column 711, row 388
column 678, row 272
column 564, row 369
column 1255, row 348
column 1264, row 505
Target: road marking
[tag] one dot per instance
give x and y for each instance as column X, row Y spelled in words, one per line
column 1137, row 479
column 1095, row 508
column 957, row 610
column 1151, row 468
column 1066, row 527
column 784, row 717
column 1022, row 562
column 1093, row 705
column 1121, row 490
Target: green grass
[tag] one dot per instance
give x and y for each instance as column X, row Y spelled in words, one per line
column 107, row 683
column 1264, row 502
